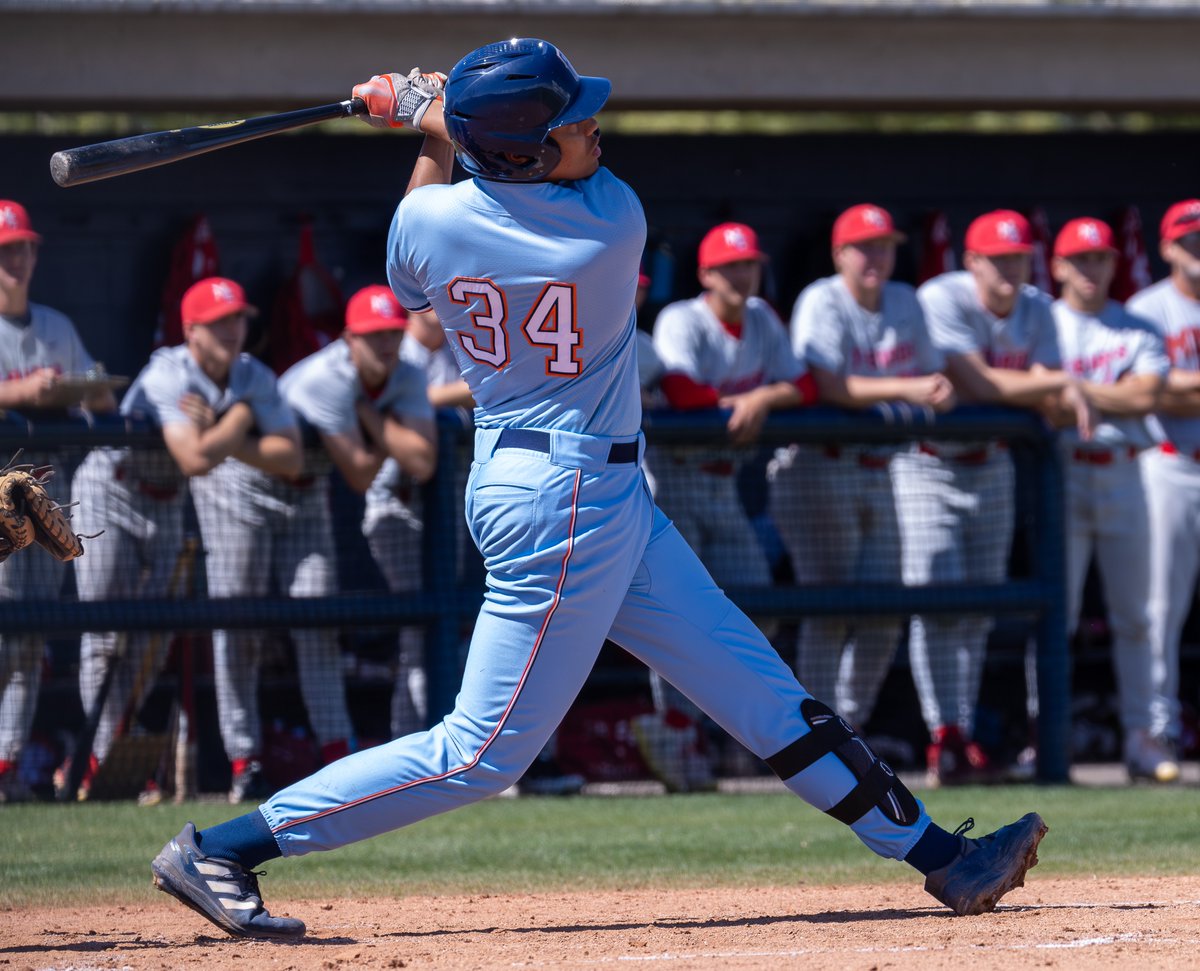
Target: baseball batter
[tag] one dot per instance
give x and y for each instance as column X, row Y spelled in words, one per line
column 37, row 345
column 998, row 338
column 369, row 408
column 1122, row 363
column 863, row 336
column 1172, row 472
column 531, row 266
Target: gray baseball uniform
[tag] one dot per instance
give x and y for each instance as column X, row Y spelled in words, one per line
column 1171, row 475
column 257, row 528
column 393, row 523
column 698, row 489
column 136, row 498
column 956, row 507
column 835, row 505
column 46, row 339
column 1107, row 510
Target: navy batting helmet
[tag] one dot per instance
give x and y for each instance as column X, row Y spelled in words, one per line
column 504, row 99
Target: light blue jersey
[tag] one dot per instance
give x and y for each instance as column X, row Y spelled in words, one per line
column 537, row 306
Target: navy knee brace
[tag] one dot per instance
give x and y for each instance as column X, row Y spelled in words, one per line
column 878, row 786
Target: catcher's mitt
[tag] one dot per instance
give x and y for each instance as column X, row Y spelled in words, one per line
column 29, row 515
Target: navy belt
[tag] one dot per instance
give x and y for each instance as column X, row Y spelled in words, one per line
column 619, row 453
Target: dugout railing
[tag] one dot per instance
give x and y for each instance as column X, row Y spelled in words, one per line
column 1034, row 595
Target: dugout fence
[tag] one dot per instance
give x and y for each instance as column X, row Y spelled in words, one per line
column 1026, row 603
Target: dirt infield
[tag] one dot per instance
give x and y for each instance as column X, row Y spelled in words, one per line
column 1088, row 923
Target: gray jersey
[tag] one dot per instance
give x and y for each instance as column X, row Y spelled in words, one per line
column 173, row 372
column 959, row 323
column 49, row 339
column 324, row 389
column 830, row 330
column 439, row 367
column 1103, row 348
column 690, row 340
column 1176, row 318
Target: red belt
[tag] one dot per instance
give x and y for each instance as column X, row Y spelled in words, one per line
column 864, row 459
column 1189, row 453
column 1103, row 456
column 977, row 456
column 161, row 493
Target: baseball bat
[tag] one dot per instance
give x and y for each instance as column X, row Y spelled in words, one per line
column 90, row 163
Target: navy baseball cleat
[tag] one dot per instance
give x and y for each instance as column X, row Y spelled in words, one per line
column 225, row 893
column 989, row 867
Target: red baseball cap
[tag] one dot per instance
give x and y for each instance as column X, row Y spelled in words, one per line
column 863, row 222
column 998, row 233
column 211, row 299
column 1084, row 235
column 1182, row 218
column 14, row 223
column 729, row 243
column 375, row 308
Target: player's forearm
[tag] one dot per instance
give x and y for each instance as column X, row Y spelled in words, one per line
column 857, row 391
column 360, row 467
column 1179, row 403
column 415, row 453
column 219, row 442
column 1129, row 397
column 274, row 454
column 455, row 395
column 1010, row 387
column 435, row 163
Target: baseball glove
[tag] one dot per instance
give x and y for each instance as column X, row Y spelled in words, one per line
column 29, row 515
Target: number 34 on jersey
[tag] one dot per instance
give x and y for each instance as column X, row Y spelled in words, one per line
column 550, row 324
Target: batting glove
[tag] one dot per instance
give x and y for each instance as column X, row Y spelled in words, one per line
column 394, row 101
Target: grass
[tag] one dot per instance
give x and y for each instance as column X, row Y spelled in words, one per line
column 70, row 855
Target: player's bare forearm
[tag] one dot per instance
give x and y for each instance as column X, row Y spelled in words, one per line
column 357, row 460
column 979, row 382
column 435, row 163
column 198, row 452
column 413, row 448
column 455, row 395
column 276, row 454
column 1136, row 394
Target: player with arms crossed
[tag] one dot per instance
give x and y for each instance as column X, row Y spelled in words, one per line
column 863, row 336
column 531, row 266
column 997, row 335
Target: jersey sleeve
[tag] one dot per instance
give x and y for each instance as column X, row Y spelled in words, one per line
column 817, row 333
column 781, row 363
column 929, row 357
column 678, row 342
column 79, row 360
column 271, row 413
column 402, row 256
column 1149, row 352
column 1045, row 350
column 411, row 399
column 327, row 405
column 948, row 326
column 161, row 384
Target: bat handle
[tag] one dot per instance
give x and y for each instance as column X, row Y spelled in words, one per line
column 355, row 106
